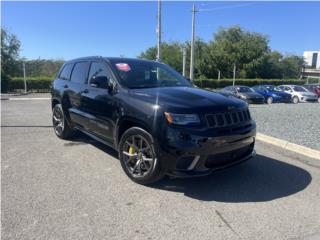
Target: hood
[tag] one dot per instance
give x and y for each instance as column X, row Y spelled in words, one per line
column 187, row 99
column 310, row 94
column 251, row 95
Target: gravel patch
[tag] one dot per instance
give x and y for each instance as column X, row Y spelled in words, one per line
column 296, row 123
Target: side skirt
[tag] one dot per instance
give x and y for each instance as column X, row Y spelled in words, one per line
column 96, row 138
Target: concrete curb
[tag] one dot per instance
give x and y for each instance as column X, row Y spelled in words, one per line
column 25, row 99
column 289, row 146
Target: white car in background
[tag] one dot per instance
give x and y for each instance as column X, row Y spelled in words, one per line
column 299, row 93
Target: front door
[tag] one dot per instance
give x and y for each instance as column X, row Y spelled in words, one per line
column 98, row 102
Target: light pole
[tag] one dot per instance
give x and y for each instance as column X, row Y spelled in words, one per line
column 234, row 74
column 159, row 31
column 184, row 55
column 24, row 76
column 192, row 41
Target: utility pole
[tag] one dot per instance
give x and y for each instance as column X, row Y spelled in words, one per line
column 24, row 77
column 159, row 31
column 192, row 41
column 234, row 74
column 219, row 75
column 184, row 55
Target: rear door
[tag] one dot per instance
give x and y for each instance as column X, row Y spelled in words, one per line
column 99, row 102
column 76, row 86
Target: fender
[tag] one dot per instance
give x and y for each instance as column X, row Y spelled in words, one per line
column 138, row 123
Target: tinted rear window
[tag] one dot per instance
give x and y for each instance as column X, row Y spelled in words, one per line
column 80, row 72
column 66, row 71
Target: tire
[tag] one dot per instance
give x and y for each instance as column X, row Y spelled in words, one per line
column 295, row 99
column 269, row 100
column 138, row 156
column 60, row 124
column 318, row 99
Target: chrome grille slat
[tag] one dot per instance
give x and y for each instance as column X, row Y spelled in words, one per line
column 219, row 120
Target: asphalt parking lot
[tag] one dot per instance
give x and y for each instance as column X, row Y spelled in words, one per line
column 55, row 189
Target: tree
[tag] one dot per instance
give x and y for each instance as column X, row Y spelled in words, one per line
column 268, row 66
column 250, row 52
column 10, row 48
column 236, row 46
column 171, row 54
column 291, row 66
column 41, row 67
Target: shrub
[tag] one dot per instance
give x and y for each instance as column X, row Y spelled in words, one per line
column 39, row 84
column 43, row 84
column 4, row 82
column 213, row 83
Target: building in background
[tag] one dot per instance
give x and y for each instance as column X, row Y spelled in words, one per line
column 312, row 68
column 312, row 58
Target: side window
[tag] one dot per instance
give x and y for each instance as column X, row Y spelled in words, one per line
column 80, row 72
column 99, row 69
column 66, row 72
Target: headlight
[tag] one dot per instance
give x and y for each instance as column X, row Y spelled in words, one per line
column 182, row 119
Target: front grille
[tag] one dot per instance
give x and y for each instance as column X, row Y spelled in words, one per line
column 226, row 119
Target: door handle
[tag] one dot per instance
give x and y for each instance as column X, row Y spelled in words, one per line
column 85, row 91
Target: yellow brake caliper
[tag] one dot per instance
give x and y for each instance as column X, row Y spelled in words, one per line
column 131, row 150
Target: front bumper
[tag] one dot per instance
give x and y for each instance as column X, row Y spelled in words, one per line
column 188, row 153
column 207, row 171
column 308, row 99
column 255, row 100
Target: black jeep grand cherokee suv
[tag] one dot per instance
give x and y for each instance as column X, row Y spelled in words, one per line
column 159, row 123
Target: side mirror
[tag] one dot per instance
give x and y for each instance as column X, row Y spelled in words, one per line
column 100, row 82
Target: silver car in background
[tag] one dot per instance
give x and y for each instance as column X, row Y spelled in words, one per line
column 299, row 93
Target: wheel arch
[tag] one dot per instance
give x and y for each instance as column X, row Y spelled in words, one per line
column 125, row 123
column 54, row 102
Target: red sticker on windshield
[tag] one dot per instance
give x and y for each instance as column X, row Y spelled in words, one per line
column 123, row 67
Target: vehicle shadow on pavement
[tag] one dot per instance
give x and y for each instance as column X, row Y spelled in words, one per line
column 81, row 139
column 260, row 179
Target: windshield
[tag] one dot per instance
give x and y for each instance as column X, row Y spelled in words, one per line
column 299, row 89
column 244, row 89
column 141, row 74
column 273, row 88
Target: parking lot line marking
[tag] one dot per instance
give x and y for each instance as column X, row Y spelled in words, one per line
column 26, row 99
column 312, row 153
